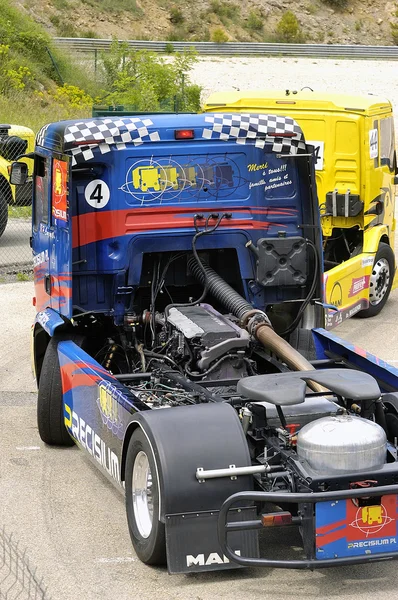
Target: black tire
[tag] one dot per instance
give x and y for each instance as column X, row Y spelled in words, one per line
column 150, row 548
column 386, row 256
column 3, row 209
column 50, row 410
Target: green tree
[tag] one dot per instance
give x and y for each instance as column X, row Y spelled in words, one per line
column 143, row 81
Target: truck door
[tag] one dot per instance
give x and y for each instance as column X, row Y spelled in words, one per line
column 41, row 232
column 51, row 243
column 61, row 250
column 387, row 166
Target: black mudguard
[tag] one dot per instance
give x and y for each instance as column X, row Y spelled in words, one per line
column 183, row 439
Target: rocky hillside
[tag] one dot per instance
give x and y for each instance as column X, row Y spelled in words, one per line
column 316, row 21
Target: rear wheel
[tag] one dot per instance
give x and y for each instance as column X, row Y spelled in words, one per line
column 142, row 501
column 380, row 281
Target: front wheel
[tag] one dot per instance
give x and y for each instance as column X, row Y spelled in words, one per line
column 381, row 280
column 50, row 408
column 147, row 532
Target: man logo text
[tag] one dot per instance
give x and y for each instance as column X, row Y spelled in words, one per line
column 212, row 559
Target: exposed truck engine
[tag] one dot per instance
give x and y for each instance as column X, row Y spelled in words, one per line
column 179, row 342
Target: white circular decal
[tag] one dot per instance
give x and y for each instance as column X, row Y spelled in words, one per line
column 97, row 193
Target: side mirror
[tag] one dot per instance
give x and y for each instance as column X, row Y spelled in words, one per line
column 18, row 173
column 396, row 180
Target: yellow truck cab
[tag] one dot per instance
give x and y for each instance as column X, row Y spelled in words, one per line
column 356, row 174
column 15, row 140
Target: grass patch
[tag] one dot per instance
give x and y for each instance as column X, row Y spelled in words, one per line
column 19, row 212
column 22, row 276
column 34, row 111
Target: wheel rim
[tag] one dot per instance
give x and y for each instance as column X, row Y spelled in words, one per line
column 142, row 494
column 379, row 281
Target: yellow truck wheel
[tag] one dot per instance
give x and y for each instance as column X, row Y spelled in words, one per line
column 381, row 280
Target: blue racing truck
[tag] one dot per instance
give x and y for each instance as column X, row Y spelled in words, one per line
column 178, row 341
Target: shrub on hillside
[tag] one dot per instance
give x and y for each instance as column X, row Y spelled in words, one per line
column 176, row 15
column 219, row 36
column 13, row 77
column 224, row 10
column 288, row 29
column 254, row 21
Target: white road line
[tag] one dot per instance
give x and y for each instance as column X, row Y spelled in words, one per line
column 28, row 448
column 119, row 559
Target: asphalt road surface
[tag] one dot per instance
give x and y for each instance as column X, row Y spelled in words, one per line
column 72, row 521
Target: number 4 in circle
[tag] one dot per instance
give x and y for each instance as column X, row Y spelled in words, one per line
column 97, row 193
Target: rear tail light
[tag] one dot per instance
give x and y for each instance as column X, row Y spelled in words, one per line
column 276, row 519
column 184, row 134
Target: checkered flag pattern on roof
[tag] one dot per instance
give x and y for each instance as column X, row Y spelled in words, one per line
column 116, row 132
column 41, row 135
column 257, row 129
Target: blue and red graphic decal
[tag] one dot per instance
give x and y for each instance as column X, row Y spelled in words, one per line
column 344, row 528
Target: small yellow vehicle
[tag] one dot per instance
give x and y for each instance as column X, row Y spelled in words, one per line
column 15, row 141
column 356, row 174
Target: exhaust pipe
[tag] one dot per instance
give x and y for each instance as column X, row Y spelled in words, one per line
column 254, row 321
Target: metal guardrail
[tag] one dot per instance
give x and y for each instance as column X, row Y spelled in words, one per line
column 240, row 48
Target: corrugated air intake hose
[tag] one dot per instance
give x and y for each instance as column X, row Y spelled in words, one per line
column 255, row 321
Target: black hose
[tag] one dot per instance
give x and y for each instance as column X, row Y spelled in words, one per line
column 220, row 289
column 190, row 386
column 198, row 234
